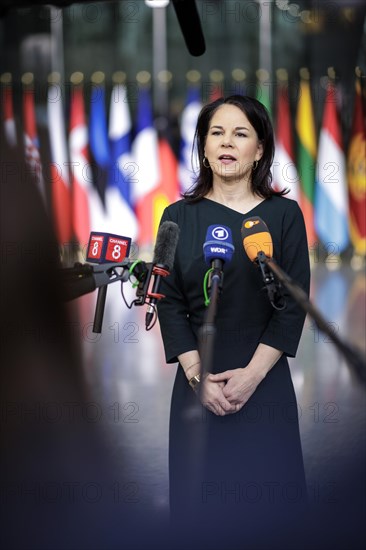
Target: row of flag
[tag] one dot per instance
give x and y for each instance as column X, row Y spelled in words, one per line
column 101, row 179
column 328, row 182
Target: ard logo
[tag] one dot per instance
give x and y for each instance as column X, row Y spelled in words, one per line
column 220, row 233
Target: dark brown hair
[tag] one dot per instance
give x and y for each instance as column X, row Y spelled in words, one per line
column 258, row 116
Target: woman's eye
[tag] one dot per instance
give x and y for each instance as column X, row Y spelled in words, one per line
column 241, row 134
column 216, row 133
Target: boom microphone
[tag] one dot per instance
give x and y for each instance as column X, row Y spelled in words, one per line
column 256, row 238
column 258, row 245
column 163, row 260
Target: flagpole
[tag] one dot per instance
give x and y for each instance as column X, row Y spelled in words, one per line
column 265, row 35
column 57, row 52
column 160, row 88
column 356, row 173
column 264, row 72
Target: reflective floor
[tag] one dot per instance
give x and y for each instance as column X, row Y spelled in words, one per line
column 130, row 387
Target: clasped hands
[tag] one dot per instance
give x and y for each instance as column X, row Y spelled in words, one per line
column 227, row 392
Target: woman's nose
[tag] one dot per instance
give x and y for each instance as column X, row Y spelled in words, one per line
column 226, row 142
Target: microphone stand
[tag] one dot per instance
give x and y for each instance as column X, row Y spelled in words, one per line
column 352, row 355
column 274, row 294
column 84, row 278
column 99, row 309
column 207, row 332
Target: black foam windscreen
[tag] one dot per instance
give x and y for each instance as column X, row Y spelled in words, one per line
column 166, row 244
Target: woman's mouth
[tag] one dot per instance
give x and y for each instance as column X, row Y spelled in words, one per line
column 227, row 159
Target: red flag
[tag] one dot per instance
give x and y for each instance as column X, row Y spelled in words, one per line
column 31, row 142
column 284, row 169
column 356, row 175
column 168, row 187
column 215, row 92
column 8, row 114
column 166, row 192
column 60, row 181
column 79, row 157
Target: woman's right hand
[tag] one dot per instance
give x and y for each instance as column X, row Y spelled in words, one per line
column 213, row 398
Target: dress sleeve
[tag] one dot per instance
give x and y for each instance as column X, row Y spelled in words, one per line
column 173, row 314
column 284, row 329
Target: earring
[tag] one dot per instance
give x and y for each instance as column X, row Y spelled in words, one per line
column 255, row 164
column 205, row 165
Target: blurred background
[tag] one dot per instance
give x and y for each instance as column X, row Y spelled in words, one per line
column 99, row 103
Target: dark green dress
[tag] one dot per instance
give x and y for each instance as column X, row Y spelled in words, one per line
column 252, row 460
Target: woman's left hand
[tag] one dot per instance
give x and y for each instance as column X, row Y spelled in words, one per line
column 240, row 384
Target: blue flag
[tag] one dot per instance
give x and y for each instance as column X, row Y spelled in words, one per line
column 98, row 137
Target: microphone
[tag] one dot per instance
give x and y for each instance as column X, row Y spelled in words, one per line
column 218, row 247
column 103, row 248
column 256, row 238
column 163, row 260
column 258, row 245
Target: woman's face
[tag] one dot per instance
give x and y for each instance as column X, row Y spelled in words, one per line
column 232, row 144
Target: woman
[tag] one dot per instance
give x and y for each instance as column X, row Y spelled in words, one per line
column 252, row 461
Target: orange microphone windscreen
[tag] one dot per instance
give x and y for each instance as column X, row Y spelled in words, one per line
column 256, row 238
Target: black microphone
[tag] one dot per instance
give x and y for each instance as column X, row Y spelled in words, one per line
column 258, row 245
column 163, row 260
